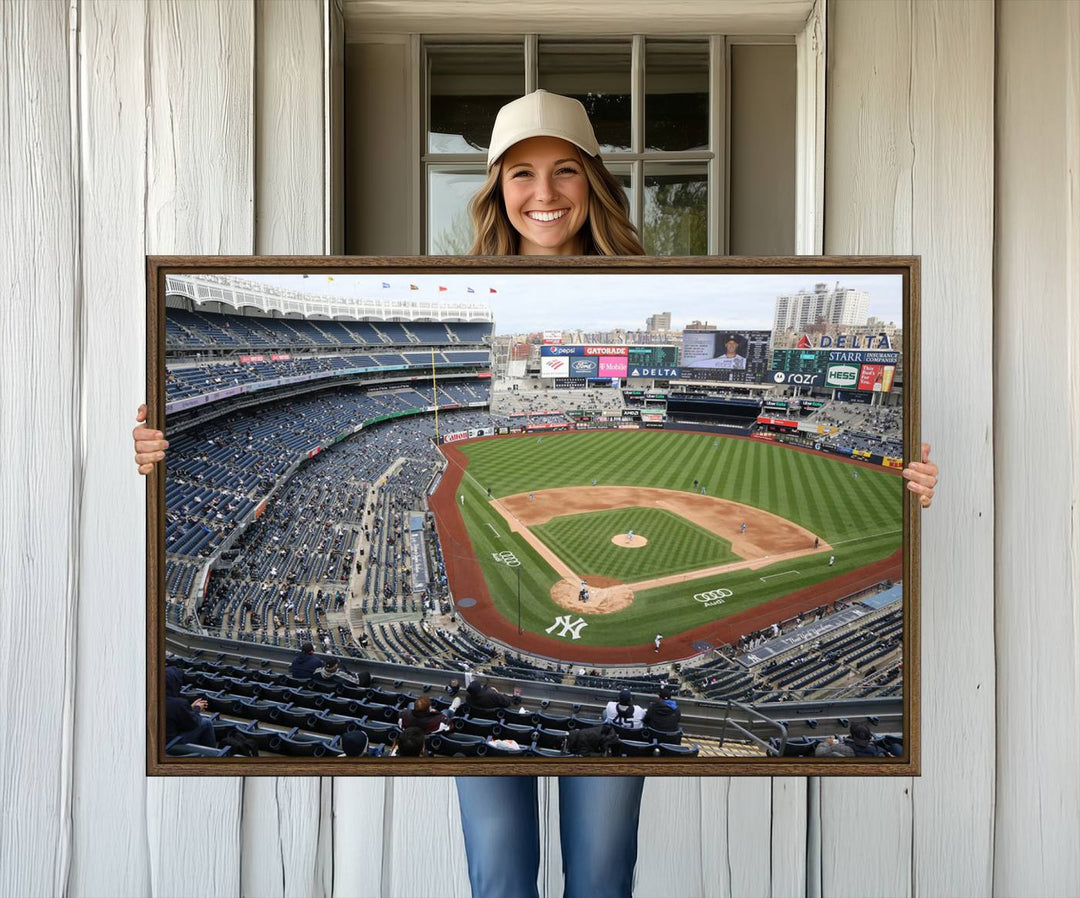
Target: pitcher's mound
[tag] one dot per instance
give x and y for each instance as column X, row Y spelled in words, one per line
column 621, row 539
column 602, row 599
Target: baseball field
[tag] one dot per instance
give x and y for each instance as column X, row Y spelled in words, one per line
column 721, row 526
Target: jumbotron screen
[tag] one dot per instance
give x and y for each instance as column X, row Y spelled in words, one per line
column 732, row 356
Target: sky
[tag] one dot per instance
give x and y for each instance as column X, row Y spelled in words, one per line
column 526, row 303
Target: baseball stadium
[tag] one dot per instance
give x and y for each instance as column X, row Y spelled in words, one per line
column 382, row 510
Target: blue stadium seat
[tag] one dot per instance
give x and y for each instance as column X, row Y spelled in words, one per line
column 474, row 726
column 629, row 748
column 677, row 751
column 332, row 724
column 178, row 749
column 298, row 744
column 551, row 721
column 551, row 738
column 670, row 738
column 457, row 744
column 266, row 740
column 521, row 733
column 380, row 733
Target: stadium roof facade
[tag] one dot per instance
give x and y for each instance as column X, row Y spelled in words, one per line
column 239, row 294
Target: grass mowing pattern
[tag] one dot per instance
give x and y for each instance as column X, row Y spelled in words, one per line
column 861, row 516
column 818, row 493
column 583, row 541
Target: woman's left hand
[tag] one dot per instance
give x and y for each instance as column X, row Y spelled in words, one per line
column 922, row 477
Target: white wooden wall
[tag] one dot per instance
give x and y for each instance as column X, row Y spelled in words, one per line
column 176, row 126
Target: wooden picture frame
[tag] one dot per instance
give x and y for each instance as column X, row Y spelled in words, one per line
column 206, row 282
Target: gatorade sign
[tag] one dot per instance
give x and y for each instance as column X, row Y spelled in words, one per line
column 843, row 377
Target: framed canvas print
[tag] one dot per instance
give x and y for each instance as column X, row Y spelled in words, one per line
column 543, row 516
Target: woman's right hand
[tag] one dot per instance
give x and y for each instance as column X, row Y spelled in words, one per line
column 150, row 445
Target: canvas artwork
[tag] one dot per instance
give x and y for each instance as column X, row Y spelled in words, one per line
column 484, row 517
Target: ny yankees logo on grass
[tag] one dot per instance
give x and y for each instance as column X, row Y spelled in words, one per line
column 573, row 628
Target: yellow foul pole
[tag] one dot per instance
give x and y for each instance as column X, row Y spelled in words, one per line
column 435, row 395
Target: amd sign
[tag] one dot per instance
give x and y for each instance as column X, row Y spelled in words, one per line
column 795, row 380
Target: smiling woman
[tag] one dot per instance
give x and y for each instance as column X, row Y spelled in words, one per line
column 546, row 195
column 547, row 190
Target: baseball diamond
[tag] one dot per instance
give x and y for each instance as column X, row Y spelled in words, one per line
column 787, row 497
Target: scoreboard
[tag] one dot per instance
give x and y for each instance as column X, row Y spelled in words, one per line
column 799, row 361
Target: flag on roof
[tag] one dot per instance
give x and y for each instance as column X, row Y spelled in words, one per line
column 492, row 290
column 470, row 290
column 413, row 287
column 329, row 278
column 442, row 289
column 385, row 285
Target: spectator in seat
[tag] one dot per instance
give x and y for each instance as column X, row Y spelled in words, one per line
column 664, row 713
column 832, row 747
column 183, row 719
column 488, row 698
column 861, row 742
column 410, row 744
column 305, row 665
column 624, row 712
column 354, row 744
column 423, row 717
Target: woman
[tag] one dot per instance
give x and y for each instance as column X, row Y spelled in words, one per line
column 548, row 193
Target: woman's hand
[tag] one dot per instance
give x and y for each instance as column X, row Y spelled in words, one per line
column 150, row 445
column 922, row 477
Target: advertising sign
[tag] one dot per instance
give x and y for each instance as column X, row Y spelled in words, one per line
column 553, row 366
column 843, row 377
column 652, row 372
column 252, row 358
column 584, row 367
column 612, row 367
column 560, row 350
column 870, row 377
column 553, row 337
column 793, row 379
column 606, row 350
column 862, row 357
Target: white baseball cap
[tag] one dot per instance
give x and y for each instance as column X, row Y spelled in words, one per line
column 541, row 114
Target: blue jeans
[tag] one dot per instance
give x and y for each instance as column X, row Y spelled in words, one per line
column 598, row 822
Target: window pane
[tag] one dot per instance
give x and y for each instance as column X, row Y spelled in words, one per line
column 623, row 175
column 676, row 95
column 449, row 191
column 467, row 85
column 676, row 209
column 597, row 74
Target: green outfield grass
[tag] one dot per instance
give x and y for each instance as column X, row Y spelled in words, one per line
column 674, row 544
column 861, row 517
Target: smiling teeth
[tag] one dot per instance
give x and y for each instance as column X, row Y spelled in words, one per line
column 546, row 216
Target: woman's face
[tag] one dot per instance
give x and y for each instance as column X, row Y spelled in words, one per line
column 546, row 195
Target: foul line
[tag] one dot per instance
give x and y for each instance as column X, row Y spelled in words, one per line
column 493, row 530
column 780, row 574
column 856, row 539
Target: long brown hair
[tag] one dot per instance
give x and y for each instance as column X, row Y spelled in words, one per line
column 607, row 231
